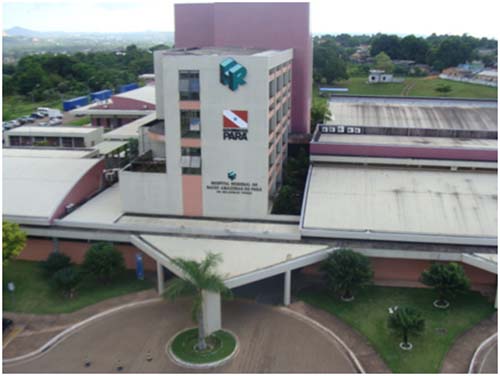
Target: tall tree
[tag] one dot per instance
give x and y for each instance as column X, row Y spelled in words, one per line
column 447, row 280
column 198, row 276
column 328, row 62
column 406, row 321
column 413, row 48
column 384, row 62
column 390, row 44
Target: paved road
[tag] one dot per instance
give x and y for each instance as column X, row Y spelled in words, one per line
column 270, row 341
column 490, row 361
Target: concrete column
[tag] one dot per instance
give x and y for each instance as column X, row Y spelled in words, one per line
column 160, row 277
column 211, row 312
column 288, row 287
column 55, row 241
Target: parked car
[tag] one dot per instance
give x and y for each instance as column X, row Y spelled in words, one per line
column 6, row 125
column 28, row 119
column 38, row 115
column 43, row 124
column 43, row 110
column 53, row 122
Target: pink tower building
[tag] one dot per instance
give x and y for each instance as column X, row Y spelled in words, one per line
column 255, row 25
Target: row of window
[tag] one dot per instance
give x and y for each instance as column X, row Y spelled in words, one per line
column 279, row 82
column 189, row 85
column 191, row 161
column 278, row 67
column 279, row 114
column 65, row 142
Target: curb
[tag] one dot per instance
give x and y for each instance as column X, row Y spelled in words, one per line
column 483, row 344
column 69, row 331
column 183, row 363
column 302, row 317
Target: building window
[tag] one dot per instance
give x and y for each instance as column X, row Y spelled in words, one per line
column 190, row 124
column 191, row 161
column 78, row 142
column 26, row 140
column 67, row 142
column 53, row 141
column 272, row 88
column 189, row 85
column 14, row 140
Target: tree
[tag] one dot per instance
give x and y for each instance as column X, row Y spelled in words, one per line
column 14, row 240
column 448, row 280
column 288, row 201
column 413, row 48
column 198, row 277
column 406, row 321
column 346, row 271
column 103, row 261
column 328, row 62
column 443, row 88
column 320, row 111
column 66, row 280
column 383, row 61
column 390, row 44
column 55, row 262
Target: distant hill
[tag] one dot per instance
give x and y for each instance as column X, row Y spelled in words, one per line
column 18, row 31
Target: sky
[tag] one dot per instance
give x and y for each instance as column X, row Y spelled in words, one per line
column 421, row 17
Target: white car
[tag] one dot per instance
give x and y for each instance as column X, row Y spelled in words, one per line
column 53, row 122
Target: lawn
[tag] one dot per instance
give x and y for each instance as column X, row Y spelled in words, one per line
column 17, row 106
column 368, row 315
column 80, row 121
column 33, row 294
column 417, row 87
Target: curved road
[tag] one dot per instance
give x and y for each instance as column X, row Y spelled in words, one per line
column 270, row 341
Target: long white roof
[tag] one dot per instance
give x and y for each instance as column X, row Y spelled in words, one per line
column 33, row 188
column 45, row 152
column 402, row 204
column 129, row 130
column 145, row 94
column 56, row 131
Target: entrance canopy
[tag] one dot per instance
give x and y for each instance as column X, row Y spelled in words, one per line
column 243, row 261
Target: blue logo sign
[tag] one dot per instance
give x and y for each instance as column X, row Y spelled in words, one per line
column 232, row 74
column 231, row 175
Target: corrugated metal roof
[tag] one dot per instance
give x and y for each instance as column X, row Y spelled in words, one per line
column 402, row 200
column 413, row 114
column 34, row 187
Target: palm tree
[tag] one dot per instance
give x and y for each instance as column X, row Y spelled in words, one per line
column 405, row 321
column 198, row 276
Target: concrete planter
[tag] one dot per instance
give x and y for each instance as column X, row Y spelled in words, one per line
column 441, row 306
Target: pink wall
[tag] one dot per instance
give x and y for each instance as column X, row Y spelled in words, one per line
column 403, row 152
column 38, row 249
column 260, row 25
column 192, row 195
column 86, row 186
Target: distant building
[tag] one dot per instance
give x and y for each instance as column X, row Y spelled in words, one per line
column 64, row 137
column 378, row 75
column 470, row 74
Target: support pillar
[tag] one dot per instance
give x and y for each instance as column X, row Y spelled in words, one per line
column 288, row 288
column 211, row 312
column 55, row 242
column 161, row 278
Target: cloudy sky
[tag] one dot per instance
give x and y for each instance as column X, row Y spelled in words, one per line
column 421, row 17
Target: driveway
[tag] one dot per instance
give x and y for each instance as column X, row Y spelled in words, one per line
column 270, row 341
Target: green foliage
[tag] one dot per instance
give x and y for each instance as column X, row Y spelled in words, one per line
column 443, row 88
column 289, row 198
column 55, row 262
column 413, row 48
column 389, row 44
column 383, row 61
column 13, row 241
column 406, row 321
column 104, row 261
column 67, row 280
column 328, row 62
column 133, row 145
column 448, row 280
column 198, row 276
column 346, row 271
column 320, row 111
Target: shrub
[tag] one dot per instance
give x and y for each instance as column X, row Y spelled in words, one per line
column 55, row 262
column 446, row 279
column 104, row 261
column 13, row 241
column 347, row 270
column 66, row 280
column 406, row 321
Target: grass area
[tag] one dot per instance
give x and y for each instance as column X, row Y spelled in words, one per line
column 17, row 106
column 418, row 87
column 80, row 121
column 369, row 311
column 220, row 345
column 33, row 293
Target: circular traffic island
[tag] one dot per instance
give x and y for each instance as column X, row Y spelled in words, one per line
column 183, row 349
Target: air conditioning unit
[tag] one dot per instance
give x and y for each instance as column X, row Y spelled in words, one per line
column 340, row 129
column 357, row 130
column 111, row 175
column 333, row 129
column 349, row 130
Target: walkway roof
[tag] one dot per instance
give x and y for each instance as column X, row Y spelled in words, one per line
column 129, row 130
column 46, row 152
column 242, row 261
column 401, row 204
